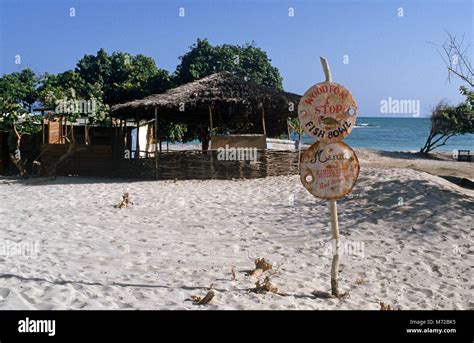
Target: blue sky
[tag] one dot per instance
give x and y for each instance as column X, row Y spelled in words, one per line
column 388, row 55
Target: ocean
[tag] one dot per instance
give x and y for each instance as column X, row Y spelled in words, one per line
column 397, row 134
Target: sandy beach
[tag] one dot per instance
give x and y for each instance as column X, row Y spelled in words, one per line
column 407, row 235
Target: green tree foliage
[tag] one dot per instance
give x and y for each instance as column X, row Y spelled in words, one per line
column 18, row 92
column 72, row 97
column 122, row 76
column 20, row 87
column 448, row 121
column 246, row 60
column 170, row 132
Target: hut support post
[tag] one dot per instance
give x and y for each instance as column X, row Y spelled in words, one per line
column 288, row 128
column 210, row 120
column 210, row 136
column 86, row 136
column 156, row 141
column 125, row 136
column 263, row 122
column 44, row 127
column 333, row 210
column 137, row 143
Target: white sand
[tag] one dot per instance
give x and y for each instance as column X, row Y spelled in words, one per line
column 179, row 237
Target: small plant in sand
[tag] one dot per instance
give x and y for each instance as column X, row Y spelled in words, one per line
column 261, row 266
column 264, row 287
column 125, row 201
column 233, row 277
column 203, row 300
column 385, row 307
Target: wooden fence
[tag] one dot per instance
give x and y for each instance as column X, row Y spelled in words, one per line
column 196, row 164
column 98, row 160
column 88, row 160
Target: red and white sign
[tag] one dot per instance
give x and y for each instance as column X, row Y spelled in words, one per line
column 327, row 112
column 329, row 171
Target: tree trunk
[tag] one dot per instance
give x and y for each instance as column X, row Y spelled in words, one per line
column 428, row 144
column 14, row 145
column 432, row 143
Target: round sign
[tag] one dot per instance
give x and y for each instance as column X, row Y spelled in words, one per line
column 327, row 112
column 329, row 171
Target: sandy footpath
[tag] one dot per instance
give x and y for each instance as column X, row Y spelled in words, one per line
column 408, row 239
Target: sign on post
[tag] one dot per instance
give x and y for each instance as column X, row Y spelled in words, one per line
column 329, row 168
column 327, row 112
column 329, row 171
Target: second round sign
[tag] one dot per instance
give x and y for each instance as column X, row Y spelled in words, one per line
column 329, row 171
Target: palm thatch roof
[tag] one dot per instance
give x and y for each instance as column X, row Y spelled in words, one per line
column 232, row 99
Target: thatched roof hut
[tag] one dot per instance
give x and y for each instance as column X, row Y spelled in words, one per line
column 216, row 99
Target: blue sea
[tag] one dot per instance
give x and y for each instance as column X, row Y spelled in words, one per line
column 397, row 134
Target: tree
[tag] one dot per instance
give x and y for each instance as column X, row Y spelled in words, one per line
column 203, row 59
column 20, row 87
column 18, row 92
column 122, row 76
column 18, row 122
column 455, row 56
column 246, row 60
column 448, row 121
column 72, row 98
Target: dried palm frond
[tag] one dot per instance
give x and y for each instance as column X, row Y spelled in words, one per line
column 261, row 266
column 125, row 201
column 262, row 288
column 385, row 307
column 203, row 301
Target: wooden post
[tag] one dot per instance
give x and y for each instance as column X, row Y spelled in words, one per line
column 327, row 71
column 299, row 148
column 210, row 120
column 333, row 210
column 210, row 136
column 125, row 137
column 137, row 145
column 335, row 246
column 44, row 128
column 288, row 128
column 156, row 142
column 263, row 121
column 86, row 134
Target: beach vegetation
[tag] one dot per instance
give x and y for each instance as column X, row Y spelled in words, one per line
column 18, row 93
column 448, row 121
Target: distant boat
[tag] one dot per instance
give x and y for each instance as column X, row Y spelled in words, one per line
column 365, row 125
